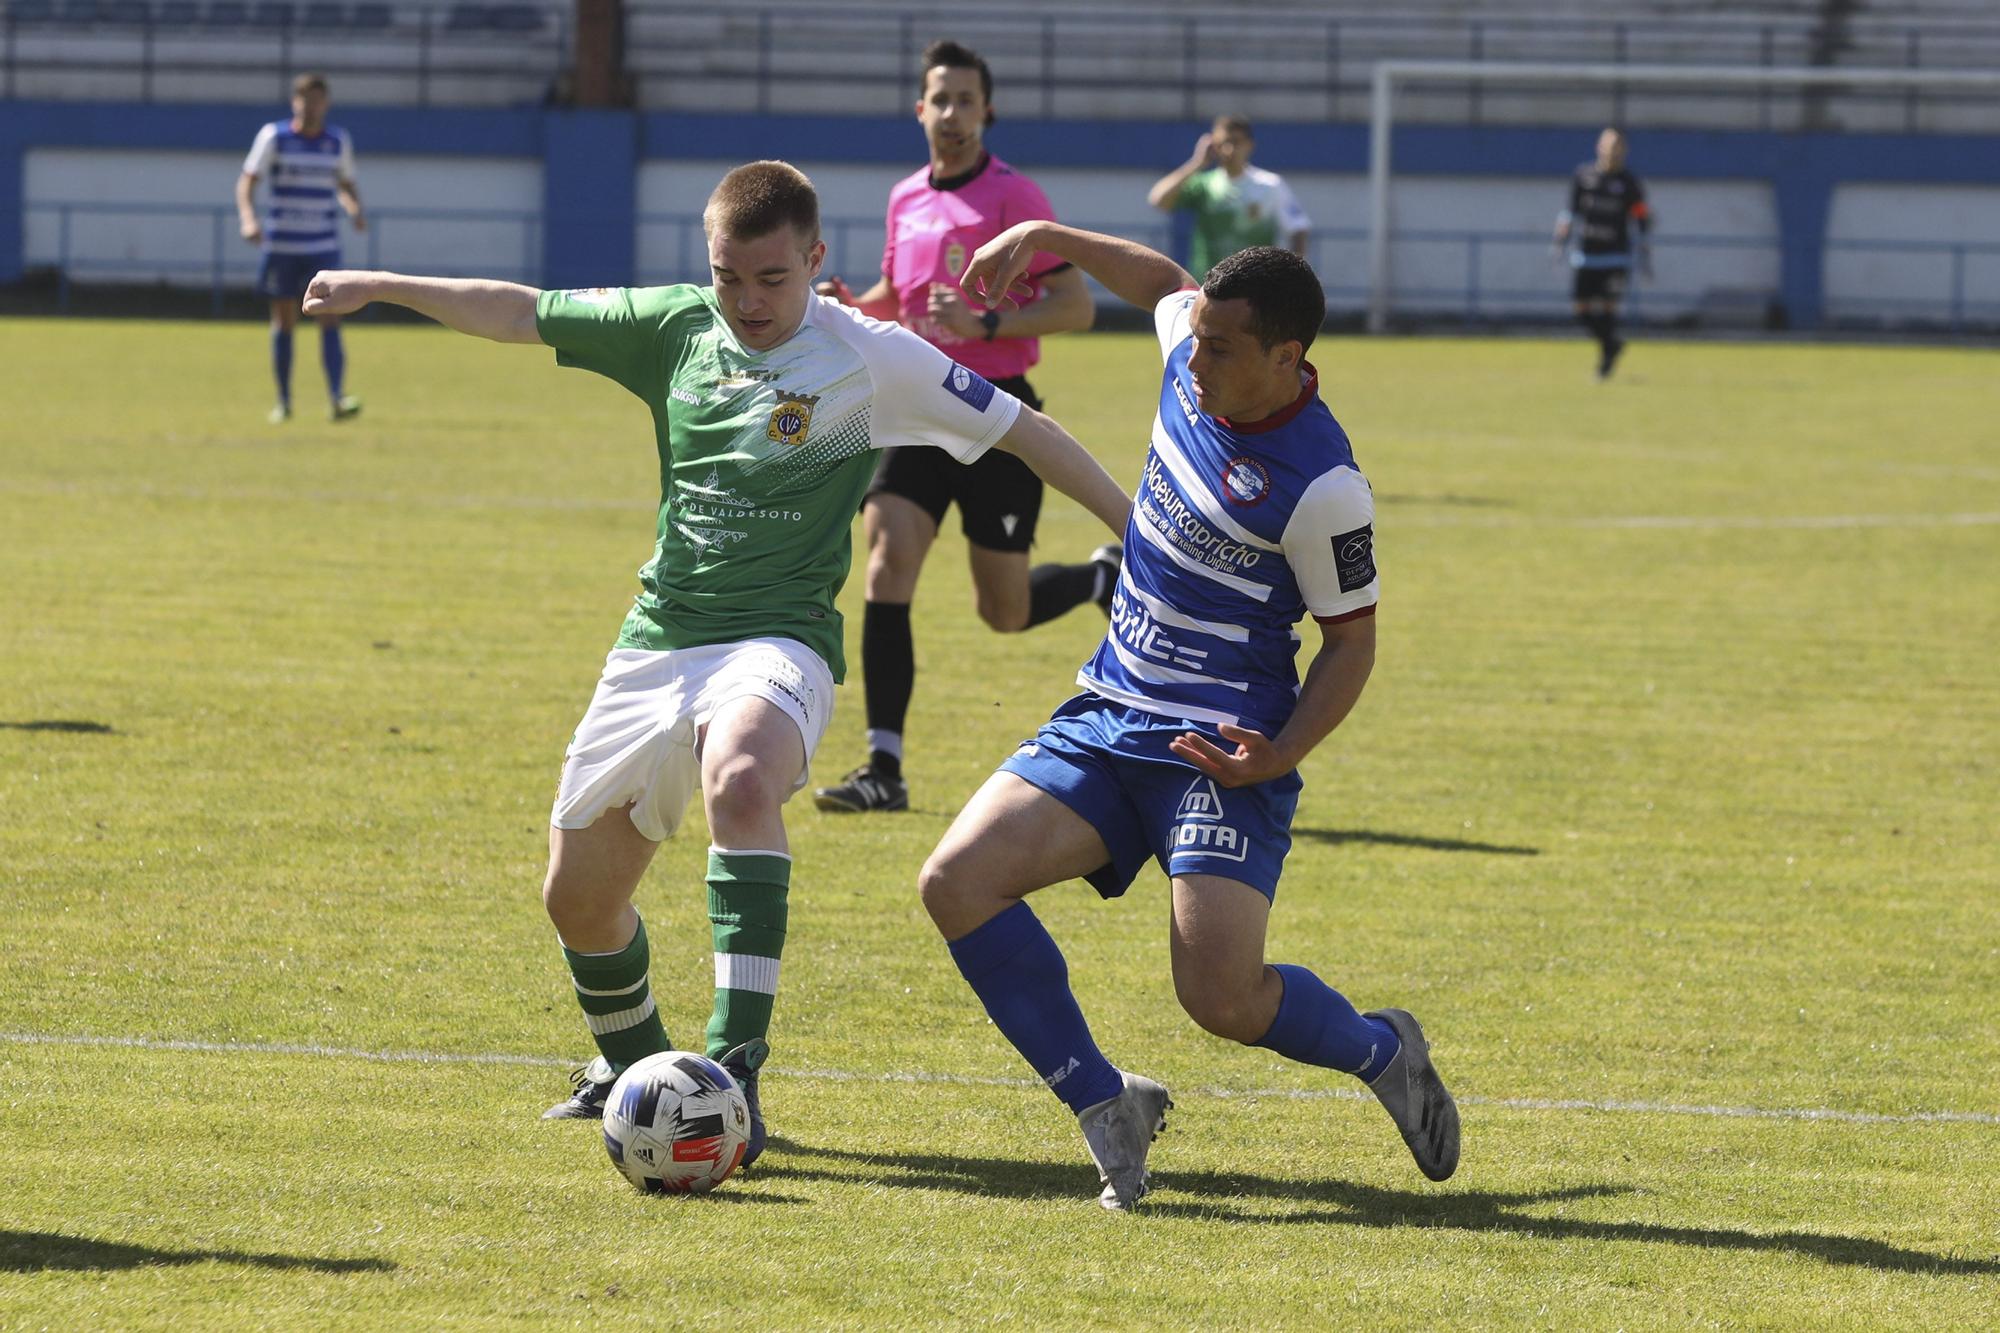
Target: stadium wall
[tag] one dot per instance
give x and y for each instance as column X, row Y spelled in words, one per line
column 587, row 197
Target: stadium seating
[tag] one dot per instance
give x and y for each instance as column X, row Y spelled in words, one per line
column 327, row 16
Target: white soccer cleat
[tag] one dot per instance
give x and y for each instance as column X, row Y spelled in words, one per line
column 1416, row 1098
column 1119, row 1133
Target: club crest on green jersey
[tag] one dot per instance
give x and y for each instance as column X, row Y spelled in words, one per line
column 791, row 418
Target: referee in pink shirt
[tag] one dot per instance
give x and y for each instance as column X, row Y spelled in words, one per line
column 937, row 218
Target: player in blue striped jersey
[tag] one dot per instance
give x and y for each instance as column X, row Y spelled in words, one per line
column 1183, row 747
column 311, row 167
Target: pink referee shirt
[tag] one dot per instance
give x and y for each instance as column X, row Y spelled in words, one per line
column 931, row 235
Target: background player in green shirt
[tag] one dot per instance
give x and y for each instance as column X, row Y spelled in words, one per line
column 1235, row 205
column 768, row 404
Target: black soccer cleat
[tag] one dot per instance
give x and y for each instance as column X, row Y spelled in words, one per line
column 863, row 790
column 743, row 1062
column 1416, row 1098
column 1608, row 358
column 593, row 1088
column 1109, row 559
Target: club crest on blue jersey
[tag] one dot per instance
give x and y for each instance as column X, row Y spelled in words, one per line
column 1246, row 482
column 969, row 386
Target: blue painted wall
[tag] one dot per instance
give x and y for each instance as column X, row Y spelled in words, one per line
column 591, row 159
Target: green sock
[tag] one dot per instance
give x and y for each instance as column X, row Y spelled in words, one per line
column 746, row 907
column 617, row 999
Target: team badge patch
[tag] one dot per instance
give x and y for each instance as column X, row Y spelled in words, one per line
column 791, row 418
column 971, row 387
column 954, row 259
column 1354, row 558
column 1245, row 482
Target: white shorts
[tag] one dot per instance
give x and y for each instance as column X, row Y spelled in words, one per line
column 637, row 743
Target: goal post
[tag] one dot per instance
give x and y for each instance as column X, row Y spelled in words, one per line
column 1389, row 74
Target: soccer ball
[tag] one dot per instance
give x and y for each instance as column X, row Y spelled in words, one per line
column 676, row 1123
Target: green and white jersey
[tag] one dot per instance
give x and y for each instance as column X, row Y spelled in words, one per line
column 764, row 456
column 1256, row 208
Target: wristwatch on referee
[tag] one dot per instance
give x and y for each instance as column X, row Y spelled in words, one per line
column 990, row 319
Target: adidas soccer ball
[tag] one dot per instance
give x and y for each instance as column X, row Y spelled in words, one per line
column 676, row 1123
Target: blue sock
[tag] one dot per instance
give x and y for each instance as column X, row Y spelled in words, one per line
column 1019, row 974
column 1317, row 1026
column 333, row 357
column 281, row 362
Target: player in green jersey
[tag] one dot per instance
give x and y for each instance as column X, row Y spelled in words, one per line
column 1235, row 205
column 768, row 406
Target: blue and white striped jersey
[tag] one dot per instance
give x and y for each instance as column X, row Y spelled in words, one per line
column 304, row 214
column 1237, row 532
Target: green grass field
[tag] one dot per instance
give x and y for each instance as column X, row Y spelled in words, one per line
column 1670, row 810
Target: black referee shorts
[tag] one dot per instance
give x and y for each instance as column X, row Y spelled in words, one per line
column 1600, row 284
column 998, row 496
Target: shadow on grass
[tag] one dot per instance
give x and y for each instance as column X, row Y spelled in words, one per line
column 1232, row 1197
column 1340, row 835
column 69, row 724
column 50, row 1251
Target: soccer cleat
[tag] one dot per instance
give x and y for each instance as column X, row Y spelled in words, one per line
column 1609, row 357
column 1416, row 1098
column 1119, row 1134
column 743, row 1062
column 593, row 1088
column 344, row 408
column 863, row 790
column 1110, row 558
column 279, row 414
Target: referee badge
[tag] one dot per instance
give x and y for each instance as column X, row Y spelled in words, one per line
column 791, row 418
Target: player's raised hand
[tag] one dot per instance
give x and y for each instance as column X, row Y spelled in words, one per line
column 1255, row 759
column 947, row 308
column 1204, row 151
column 337, row 291
column 837, row 289
column 997, row 274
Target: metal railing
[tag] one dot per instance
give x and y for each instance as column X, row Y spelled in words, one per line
column 1473, row 275
column 231, row 263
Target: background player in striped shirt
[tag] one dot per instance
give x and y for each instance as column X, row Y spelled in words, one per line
column 311, row 167
column 769, row 404
column 1235, row 205
column 1184, row 746
column 1607, row 204
column 938, row 216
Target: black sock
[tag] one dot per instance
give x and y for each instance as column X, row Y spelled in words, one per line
column 888, row 664
column 1054, row 589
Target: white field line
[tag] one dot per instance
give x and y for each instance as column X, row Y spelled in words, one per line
column 262, row 495
column 967, row 1080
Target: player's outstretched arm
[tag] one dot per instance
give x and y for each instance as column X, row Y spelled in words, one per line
column 1060, row 461
column 1128, row 270
column 1332, row 686
column 502, row 311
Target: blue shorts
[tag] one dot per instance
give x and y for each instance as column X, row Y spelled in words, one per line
column 282, row 276
column 1112, row 766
